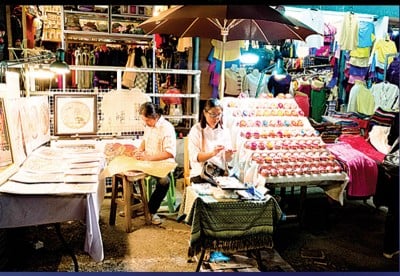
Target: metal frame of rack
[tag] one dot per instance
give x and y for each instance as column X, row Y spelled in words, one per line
column 194, row 94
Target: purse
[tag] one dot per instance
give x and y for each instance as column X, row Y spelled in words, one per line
column 391, row 163
column 211, row 170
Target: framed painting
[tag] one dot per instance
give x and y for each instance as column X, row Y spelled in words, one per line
column 35, row 116
column 5, row 144
column 75, row 114
column 14, row 120
column 7, row 166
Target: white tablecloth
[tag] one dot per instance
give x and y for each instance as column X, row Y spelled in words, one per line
column 27, row 210
column 28, row 204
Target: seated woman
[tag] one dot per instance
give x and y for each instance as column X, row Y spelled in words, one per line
column 209, row 141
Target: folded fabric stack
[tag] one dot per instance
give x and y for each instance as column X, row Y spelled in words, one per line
column 90, row 27
column 86, row 8
column 72, row 23
column 351, row 130
column 329, row 131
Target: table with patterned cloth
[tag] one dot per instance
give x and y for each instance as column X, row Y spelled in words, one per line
column 229, row 225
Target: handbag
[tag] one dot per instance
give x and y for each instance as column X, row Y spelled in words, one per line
column 211, row 170
column 391, row 163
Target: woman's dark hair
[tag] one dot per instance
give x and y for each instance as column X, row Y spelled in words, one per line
column 210, row 103
column 150, row 110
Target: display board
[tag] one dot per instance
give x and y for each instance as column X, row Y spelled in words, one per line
column 126, row 117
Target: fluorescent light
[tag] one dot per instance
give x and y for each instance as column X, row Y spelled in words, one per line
column 249, row 58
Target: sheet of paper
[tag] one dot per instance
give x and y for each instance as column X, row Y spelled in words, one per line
column 80, row 178
column 31, row 177
column 92, row 170
column 82, row 165
column 43, row 165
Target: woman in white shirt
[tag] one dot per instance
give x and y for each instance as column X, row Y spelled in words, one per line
column 158, row 143
column 209, row 141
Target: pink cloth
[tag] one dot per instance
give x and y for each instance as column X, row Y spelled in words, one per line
column 358, row 142
column 361, row 169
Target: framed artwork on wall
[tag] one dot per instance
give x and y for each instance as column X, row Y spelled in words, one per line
column 75, row 114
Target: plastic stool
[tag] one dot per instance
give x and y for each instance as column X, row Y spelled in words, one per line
column 170, row 197
column 128, row 180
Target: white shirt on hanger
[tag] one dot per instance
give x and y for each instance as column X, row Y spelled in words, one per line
column 234, row 77
column 386, row 96
column 252, row 81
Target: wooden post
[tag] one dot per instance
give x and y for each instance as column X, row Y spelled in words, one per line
column 186, row 165
column 9, row 32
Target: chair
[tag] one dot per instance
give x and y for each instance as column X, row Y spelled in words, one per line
column 186, row 163
column 129, row 179
column 170, row 197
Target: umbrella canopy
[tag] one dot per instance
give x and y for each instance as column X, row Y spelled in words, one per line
column 227, row 23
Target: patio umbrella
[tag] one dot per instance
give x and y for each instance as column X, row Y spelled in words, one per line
column 227, row 23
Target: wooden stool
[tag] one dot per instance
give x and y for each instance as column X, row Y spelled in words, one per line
column 128, row 180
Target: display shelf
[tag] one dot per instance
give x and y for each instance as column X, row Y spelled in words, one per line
column 101, row 37
column 127, row 24
column 193, row 96
column 133, row 10
column 113, row 25
column 92, row 22
column 119, row 26
column 51, row 24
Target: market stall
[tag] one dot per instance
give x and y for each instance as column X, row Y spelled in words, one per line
column 278, row 147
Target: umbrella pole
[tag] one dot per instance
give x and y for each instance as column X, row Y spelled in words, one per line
column 222, row 78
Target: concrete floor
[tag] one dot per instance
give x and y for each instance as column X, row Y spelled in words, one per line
column 346, row 238
column 341, row 238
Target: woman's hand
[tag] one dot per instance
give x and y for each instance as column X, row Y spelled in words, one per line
column 229, row 154
column 141, row 155
column 217, row 149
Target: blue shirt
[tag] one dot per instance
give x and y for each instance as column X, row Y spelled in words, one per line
column 366, row 34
